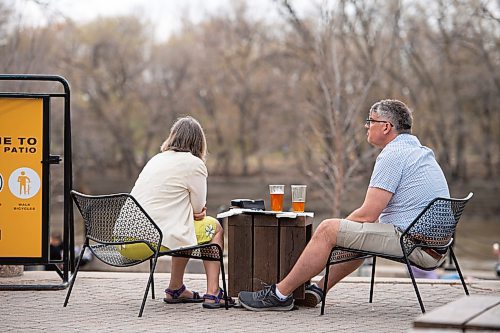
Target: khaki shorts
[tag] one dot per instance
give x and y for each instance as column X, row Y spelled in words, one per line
column 204, row 229
column 382, row 238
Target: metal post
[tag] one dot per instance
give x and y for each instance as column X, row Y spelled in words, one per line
column 68, row 261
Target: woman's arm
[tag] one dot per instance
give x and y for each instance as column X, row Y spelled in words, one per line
column 201, row 215
column 197, row 186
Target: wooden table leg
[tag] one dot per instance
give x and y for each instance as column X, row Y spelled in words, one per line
column 265, row 251
column 240, row 254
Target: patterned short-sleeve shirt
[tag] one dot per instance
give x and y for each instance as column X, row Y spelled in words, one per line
column 410, row 171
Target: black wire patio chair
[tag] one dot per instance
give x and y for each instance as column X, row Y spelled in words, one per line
column 433, row 229
column 114, row 221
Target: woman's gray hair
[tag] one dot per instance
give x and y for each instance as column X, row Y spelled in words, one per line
column 186, row 135
column 396, row 112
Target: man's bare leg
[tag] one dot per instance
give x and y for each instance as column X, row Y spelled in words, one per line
column 338, row 272
column 312, row 261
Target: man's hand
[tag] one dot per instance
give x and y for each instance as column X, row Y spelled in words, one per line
column 201, row 215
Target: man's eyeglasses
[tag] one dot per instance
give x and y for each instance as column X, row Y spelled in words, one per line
column 368, row 121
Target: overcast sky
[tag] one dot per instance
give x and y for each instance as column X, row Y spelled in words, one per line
column 165, row 14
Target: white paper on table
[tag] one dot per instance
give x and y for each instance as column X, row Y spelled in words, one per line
column 238, row 211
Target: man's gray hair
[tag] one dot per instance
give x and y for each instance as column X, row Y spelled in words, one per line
column 396, row 112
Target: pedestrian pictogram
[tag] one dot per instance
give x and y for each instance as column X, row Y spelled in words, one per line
column 24, row 183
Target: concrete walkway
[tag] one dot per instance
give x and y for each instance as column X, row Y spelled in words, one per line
column 110, row 302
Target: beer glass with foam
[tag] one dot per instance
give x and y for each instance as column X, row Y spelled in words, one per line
column 277, row 192
column 298, row 198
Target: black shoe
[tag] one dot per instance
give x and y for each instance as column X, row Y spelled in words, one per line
column 313, row 296
column 265, row 300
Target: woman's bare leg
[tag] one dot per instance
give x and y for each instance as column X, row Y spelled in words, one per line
column 212, row 268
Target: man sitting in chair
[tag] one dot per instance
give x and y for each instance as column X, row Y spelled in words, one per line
column 405, row 178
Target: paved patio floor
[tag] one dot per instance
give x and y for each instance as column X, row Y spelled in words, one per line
column 110, row 301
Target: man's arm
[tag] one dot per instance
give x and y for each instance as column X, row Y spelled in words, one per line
column 376, row 200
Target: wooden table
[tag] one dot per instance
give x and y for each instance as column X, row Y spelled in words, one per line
column 466, row 314
column 262, row 249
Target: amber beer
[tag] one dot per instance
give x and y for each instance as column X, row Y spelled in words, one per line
column 277, row 192
column 298, row 198
column 277, row 202
column 298, row 206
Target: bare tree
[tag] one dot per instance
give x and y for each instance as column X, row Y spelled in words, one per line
column 265, row 91
column 344, row 58
column 238, row 88
column 110, row 77
column 446, row 49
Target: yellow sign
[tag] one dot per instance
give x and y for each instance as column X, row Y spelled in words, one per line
column 21, row 153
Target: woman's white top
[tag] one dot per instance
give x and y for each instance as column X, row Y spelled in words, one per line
column 170, row 188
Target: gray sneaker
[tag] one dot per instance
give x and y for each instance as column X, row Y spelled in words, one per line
column 313, row 296
column 265, row 300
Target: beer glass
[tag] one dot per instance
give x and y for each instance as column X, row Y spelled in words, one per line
column 277, row 192
column 298, row 198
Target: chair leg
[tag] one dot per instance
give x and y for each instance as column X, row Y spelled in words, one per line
column 325, row 286
column 150, row 280
column 373, row 278
column 458, row 270
column 74, row 275
column 226, row 298
column 414, row 284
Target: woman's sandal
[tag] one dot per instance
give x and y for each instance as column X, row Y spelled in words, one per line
column 176, row 296
column 217, row 304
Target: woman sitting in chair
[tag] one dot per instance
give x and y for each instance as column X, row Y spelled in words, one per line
column 172, row 188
